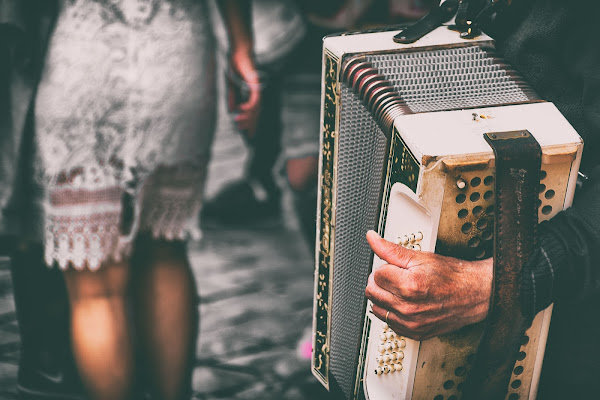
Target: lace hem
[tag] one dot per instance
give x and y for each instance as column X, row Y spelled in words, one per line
column 84, row 215
column 83, row 234
column 171, row 201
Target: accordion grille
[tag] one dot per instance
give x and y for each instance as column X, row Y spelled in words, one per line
column 452, row 78
column 361, row 157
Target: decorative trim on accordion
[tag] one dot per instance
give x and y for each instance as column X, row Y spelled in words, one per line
column 325, row 224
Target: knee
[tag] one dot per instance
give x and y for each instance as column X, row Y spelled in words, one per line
column 302, row 172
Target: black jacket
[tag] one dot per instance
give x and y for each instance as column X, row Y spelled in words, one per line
column 555, row 45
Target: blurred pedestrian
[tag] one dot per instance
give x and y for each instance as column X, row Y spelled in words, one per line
column 278, row 28
column 302, row 88
column 124, row 120
column 46, row 368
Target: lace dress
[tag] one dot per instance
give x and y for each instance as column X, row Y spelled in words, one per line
column 124, row 121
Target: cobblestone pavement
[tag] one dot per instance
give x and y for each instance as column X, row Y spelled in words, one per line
column 9, row 335
column 255, row 304
column 255, row 289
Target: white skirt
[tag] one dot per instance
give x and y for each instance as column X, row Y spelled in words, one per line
column 125, row 113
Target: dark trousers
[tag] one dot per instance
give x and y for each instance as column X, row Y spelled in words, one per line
column 265, row 146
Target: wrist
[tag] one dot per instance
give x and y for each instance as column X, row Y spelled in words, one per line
column 244, row 65
column 241, row 52
column 484, row 272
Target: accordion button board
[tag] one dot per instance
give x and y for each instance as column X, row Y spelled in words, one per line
column 387, row 351
column 403, row 153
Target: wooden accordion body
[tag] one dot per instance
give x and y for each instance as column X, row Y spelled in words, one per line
column 402, row 152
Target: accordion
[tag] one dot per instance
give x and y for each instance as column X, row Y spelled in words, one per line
column 403, row 153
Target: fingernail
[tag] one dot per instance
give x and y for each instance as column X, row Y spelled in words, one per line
column 372, row 232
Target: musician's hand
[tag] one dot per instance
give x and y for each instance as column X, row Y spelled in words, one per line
column 427, row 294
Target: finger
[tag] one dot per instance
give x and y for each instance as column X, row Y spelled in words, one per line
column 417, row 330
column 406, row 308
column 378, row 295
column 389, row 252
column 231, row 106
column 245, row 120
column 394, row 321
column 249, row 106
column 252, row 103
column 381, row 312
column 242, row 118
column 397, row 281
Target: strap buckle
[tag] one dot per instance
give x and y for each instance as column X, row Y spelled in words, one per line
column 470, row 14
column 442, row 13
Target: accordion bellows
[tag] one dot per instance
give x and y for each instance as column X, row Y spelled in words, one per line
column 402, row 152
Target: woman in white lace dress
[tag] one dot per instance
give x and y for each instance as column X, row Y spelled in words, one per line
column 124, row 121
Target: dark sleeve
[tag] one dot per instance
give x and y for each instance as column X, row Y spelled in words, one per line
column 566, row 266
column 553, row 45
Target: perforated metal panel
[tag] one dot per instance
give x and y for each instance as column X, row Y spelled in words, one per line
column 452, row 78
column 360, row 167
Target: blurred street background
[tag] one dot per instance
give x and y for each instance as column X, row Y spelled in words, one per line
column 254, row 274
column 255, row 286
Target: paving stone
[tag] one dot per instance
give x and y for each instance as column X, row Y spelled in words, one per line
column 8, row 377
column 293, row 394
column 254, row 392
column 7, row 307
column 7, row 337
column 219, row 380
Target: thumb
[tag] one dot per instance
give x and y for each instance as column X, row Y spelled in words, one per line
column 389, row 252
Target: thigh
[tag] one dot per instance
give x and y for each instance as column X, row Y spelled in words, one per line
column 110, row 280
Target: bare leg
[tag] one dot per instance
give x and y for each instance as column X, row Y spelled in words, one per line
column 302, row 172
column 302, row 177
column 100, row 330
column 166, row 315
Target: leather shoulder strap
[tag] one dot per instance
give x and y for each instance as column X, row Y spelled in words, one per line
column 518, row 162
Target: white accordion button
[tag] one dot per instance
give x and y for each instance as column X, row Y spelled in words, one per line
column 397, row 367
